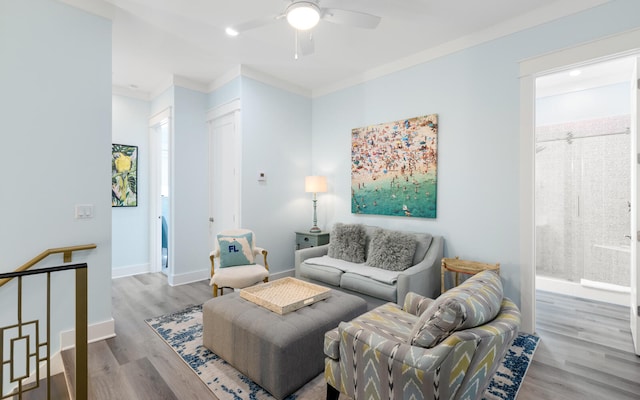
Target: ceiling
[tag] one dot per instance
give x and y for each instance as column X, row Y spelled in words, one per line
column 582, row 77
column 155, row 41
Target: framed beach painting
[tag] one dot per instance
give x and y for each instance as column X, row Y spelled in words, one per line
column 124, row 175
column 394, row 168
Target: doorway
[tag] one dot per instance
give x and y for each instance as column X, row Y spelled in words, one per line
column 613, row 47
column 160, row 140
column 582, row 181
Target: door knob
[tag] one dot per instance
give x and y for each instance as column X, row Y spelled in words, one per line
column 211, row 220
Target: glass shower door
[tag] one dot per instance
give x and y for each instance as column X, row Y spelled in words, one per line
column 582, row 204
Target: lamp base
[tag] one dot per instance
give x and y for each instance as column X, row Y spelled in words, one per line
column 315, row 229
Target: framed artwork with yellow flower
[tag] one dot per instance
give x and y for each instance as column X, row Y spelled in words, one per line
column 124, row 175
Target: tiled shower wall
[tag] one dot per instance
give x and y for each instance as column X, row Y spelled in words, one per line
column 582, row 200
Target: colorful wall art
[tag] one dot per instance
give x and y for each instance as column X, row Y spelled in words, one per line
column 394, row 168
column 124, row 175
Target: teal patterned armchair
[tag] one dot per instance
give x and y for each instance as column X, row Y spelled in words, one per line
column 448, row 348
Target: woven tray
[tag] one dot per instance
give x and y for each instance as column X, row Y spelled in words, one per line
column 285, row 295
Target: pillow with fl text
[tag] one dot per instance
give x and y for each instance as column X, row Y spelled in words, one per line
column 236, row 250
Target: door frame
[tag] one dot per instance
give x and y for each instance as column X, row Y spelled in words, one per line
column 234, row 108
column 634, row 312
column 616, row 46
column 155, row 209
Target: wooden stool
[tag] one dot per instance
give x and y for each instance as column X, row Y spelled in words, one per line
column 465, row 267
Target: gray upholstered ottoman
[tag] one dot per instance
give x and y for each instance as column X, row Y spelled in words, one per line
column 279, row 352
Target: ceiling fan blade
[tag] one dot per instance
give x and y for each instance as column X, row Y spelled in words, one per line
column 351, row 18
column 305, row 42
column 255, row 23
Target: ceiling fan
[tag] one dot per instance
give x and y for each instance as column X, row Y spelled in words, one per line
column 304, row 15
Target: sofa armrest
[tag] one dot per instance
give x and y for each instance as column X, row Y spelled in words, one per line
column 416, row 304
column 310, row 252
column 424, row 277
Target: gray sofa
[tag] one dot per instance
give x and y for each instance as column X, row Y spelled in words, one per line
column 376, row 285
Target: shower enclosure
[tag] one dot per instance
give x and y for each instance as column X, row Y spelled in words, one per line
column 582, row 202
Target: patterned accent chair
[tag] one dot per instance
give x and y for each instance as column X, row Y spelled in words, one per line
column 447, row 348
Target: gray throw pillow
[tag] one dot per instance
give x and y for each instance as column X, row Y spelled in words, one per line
column 391, row 250
column 475, row 302
column 446, row 319
column 348, row 242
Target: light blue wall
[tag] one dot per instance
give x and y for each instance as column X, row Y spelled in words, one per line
column 190, row 191
column 476, row 94
column 276, row 139
column 162, row 101
column 130, row 225
column 225, row 93
column 190, row 185
column 55, row 76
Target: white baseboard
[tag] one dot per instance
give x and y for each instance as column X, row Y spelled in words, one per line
column 56, row 365
column 190, row 277
column 282, row 274
column 96, row 332
column 588, row 292
column 129, row 270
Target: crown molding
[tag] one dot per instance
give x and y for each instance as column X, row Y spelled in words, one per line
column 248, row 72
column 189, row 83
column 181, row 81
column 537, row 17
column 168, row 84
column 97, row 7
column 272, row 81
column 127, row 92
column 225, row 78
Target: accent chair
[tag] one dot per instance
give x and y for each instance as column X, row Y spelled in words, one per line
column 447, row 348
column 237, row 266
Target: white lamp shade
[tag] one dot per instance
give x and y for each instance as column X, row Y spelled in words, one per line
column 315, row 184
column 303, row 15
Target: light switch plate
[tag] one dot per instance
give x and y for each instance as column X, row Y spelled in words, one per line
column 84, row 211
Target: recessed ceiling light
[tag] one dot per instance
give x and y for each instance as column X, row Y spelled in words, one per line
column 231, row 32
column 575, row 72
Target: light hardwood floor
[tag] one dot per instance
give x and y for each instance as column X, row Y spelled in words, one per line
column 585, row 352
column 137, row 364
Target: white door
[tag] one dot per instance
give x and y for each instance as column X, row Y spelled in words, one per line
column 223, row 175
column 635, row 215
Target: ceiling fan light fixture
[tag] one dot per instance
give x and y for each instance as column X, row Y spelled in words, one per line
column 303, row 15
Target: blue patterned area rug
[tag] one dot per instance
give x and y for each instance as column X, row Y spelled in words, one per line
column 183, row 332
column 510, row 374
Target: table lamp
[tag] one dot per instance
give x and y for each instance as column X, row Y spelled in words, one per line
column 315, row 184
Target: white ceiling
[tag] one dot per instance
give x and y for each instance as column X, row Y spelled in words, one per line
column 157, row 40
column 587, row 76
